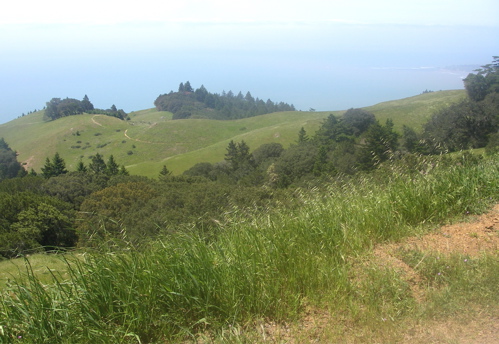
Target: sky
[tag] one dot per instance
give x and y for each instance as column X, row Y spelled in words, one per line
column 325, row 55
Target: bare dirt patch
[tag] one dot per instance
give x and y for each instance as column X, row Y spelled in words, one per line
column 480, row 234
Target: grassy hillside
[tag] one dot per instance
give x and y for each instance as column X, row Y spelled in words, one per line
column 151, row 139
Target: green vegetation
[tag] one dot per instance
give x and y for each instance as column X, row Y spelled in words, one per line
column 199, row 103
column 246, row 235
column 57, row 108
column 181, row 143
column 265, row 264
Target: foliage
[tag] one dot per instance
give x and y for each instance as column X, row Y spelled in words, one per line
column 265, row 264
column 57, row 107
column 380, row 144
column 187, row 103
column 9, row 166
column 54, row 167
column 484, row 82
column 469, row 123
column 464, row 125
column 30, row 221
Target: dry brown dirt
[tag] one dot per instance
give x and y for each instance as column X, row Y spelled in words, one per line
column 478, row 235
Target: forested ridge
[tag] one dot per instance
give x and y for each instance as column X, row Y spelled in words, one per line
column 199, row 103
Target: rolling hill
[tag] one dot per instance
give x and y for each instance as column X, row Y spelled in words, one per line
column 152, row 139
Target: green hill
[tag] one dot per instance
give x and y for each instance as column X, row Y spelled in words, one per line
column 152, row 139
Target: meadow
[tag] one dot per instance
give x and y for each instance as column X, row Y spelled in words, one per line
column 273, row 269
column 151, row 139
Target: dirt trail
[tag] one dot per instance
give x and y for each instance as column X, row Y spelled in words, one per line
column 95, row 122
column 477, row 236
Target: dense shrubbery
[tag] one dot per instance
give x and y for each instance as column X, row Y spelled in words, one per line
column 187, row 103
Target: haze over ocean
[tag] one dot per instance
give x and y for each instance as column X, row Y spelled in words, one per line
column 325, row 64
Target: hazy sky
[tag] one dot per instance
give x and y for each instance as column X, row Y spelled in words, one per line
column 328, row 55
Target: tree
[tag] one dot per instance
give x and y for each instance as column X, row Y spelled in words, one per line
column 54, row 167
column 188, row 87
column 463, row 125
column 359, row 120
column 380, row 143
column 302, row 135
column 181, row 87
column 238, row 154
column 410, row 139
column 80, row 167
column 97, row 166
column 47, row 226
column 86, row 105
column 123, row 171
column 112, row 168
column 268, row 152
column 164, row 172
column 9, row 166
column 484, row 82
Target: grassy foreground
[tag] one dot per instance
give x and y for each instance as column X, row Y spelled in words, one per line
column 269, row 267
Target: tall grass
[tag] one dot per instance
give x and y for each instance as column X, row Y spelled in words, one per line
column 263, row 266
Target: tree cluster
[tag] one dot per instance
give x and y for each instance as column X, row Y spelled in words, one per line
column 470, row 123
column 199, row 103
column 57, row 108
column 348, row 144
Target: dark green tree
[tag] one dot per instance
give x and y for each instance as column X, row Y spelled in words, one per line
column 238, row 154
column 86, row 105
column 97, row 165
column 380, row 144
column 54, row 167
column 188, row 87
column 164, row 172
column 463, row 125
column 359, row 120
column 484, row 82
column 302, row 136
column 267, row 153
column 112, row 168
column 80, row 167
column 123, row 171
column 9, row 166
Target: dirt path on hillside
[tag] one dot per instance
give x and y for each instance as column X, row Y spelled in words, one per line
column 472, row 238
column 95, row 122
column 143, row 141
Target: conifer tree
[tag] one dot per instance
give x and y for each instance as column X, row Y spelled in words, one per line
column 97, row 165
column 112, row 168
column 54, row 167
column 302, row 136
column 164, row 172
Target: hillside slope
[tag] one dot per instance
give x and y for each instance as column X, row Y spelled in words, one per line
column 151, row 139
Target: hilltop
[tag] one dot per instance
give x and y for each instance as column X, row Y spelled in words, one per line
column 151, row 139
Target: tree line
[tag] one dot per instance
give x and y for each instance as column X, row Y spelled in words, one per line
column 58, row 108
column 199, row 103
